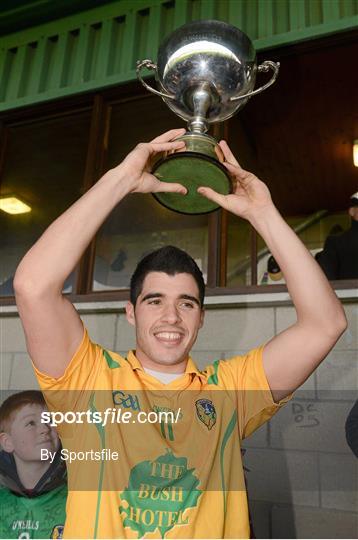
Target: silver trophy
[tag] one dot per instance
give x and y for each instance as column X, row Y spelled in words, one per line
column 205, row 73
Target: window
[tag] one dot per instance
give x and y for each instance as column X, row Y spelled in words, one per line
column 44, row 165
column 283, row 135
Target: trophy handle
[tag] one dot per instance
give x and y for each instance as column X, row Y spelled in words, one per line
column 149, row 64
column 265, row 66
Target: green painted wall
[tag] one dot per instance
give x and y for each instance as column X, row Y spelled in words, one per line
column 98, row 48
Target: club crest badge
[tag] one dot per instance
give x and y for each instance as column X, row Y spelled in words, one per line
column 57, row 531
column 206, row 412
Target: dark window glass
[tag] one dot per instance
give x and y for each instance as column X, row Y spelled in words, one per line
column 44, row 167
column 238, row 252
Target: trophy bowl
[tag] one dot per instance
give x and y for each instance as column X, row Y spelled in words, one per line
column 206, row 72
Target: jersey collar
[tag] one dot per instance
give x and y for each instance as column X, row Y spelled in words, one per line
column 190, row 366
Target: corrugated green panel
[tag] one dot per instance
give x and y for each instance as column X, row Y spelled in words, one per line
column 237, row 13
column 141, row 33
column 314, row 12
column 208, row 9
column 100, row 47
column 7, row 63
column 167, row 18
column 348, row 8
column 330, row 10
column 222, row 10
column 296, row 16
column 15, row 76
column 48, row 77
column 117, row 49
column 265, row 18
column 181, row 10
column 101, row 67
column 129, row 43
column 60, row 59
column 30, row 51
column 154, row 36
column 81, row 53
column 34, row 76
column 92, row 58
column 194, row 10
column 281, row 16
column 70, row 58
column 251, row 21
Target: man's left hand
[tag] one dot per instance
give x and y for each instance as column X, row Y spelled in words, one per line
column 250, row 196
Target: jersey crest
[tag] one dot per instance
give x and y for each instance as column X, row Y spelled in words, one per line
column 206, row 412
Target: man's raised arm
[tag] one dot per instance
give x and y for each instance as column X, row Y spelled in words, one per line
column 52, row 326
column 290, row 357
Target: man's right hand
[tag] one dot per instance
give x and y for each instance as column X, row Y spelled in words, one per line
column 136, row 167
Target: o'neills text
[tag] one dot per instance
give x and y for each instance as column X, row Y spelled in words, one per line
column 89, row 455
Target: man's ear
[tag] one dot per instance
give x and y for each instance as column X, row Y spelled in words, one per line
column 202, row 317
column 6, row 442
column 130, row 313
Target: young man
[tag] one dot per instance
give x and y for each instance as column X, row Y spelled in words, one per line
column 32, row 490
column 180, row 480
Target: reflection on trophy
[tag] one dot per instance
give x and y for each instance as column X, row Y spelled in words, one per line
column 205, row 73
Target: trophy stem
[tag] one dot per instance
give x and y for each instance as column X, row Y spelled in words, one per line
column 201, row 100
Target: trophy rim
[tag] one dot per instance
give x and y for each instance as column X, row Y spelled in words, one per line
column 204, row 23
column 181, row 155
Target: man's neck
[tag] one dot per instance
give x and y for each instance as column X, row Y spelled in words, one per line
column 30, row 472
column 156, row 366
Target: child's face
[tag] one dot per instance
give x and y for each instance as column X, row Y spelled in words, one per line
column 27, row 435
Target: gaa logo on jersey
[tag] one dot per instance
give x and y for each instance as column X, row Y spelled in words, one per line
column 206, row 412
column 57, row 531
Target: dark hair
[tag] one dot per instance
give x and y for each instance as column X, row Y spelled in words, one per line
column 15, row 402
column 170, row 260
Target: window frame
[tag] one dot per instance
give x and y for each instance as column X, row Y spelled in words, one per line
column 100, row 104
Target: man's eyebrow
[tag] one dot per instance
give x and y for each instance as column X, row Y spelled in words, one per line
column 161, row 295
column 151, row 295
column 189, row 297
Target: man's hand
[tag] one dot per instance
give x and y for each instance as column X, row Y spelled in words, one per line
column 249, row 197
column 137, row 165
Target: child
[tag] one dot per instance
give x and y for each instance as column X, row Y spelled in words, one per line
column 33, row 491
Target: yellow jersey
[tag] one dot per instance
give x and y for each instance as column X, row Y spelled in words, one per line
column 181, row 478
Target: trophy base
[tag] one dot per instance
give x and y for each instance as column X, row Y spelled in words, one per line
column 192, row 170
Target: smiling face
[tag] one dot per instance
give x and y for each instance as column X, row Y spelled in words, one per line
column 26, row 434
column 167, row 317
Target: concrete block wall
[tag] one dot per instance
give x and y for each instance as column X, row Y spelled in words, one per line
column 302, row 478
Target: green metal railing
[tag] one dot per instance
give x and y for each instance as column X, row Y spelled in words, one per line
column 99, row 47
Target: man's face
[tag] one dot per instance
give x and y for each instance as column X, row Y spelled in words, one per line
column 27, row 435
column 167, row 318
